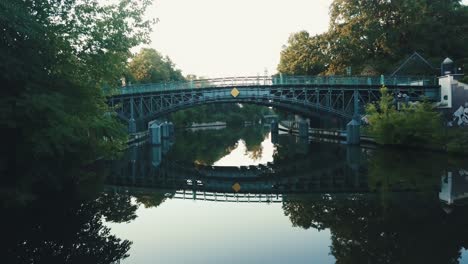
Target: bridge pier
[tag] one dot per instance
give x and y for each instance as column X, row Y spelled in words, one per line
column 353, row 132
column 131, row 122
column 354, row 161
column 159, row 132
column 132, row 126
column 274, row 127
column 155, row 133
column 156, row 155
column 353, row 128
column 274, row 138
column 165, row 130
column 303, row 129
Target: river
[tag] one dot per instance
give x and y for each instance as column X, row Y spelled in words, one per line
column 246, row 196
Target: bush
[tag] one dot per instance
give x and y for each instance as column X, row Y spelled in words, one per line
column 413, row 125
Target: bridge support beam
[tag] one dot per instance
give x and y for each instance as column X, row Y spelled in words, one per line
column 353, row 132
column 274, row 138
column 353, row 160
column 156, row 155
column 303, row 129
column 165, row 129
column 131, row 122
column 274, row 127
column 155, row 133
column 132, row 126
column 353, row 128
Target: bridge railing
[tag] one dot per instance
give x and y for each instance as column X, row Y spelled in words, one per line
column 356, row 80
column 280, row 80
column 227, row 197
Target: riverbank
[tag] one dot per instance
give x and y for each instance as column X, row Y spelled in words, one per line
column 454, row 143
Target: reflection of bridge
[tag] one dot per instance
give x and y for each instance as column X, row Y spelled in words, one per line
column 454, row 186
column 340, row 96
column 337, row 170
column 204, row 196
column 255, row 182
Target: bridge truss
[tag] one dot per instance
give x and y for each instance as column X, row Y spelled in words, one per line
column 340, row 96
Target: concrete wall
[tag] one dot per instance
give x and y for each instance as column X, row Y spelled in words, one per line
column 454, row 100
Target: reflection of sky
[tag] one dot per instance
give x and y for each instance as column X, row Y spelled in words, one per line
column 186, row 231
column 240, row 157
column 464, row 256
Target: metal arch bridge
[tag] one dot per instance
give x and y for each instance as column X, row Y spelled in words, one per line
column 203, row 182
column 342, row 96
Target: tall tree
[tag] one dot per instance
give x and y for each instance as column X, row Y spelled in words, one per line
column 55, row 57
column 375, row 36
column 304, row 55
column 149, row 66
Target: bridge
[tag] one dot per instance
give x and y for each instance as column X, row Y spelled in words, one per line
column 144, row 171
column 341, row 96
column 309, row 174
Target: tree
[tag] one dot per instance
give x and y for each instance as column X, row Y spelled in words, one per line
column 413, row 125
column 56, row 57
column 304, row 55
column 382, row 32
column 149, row 66
column 374, row 36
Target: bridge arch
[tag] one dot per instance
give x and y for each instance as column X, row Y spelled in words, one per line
column 304, row 110
column 344, row 98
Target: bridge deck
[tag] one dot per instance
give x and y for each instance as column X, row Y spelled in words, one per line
column 421, row 81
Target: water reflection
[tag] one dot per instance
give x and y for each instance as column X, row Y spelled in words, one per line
column 371, row 206
column 379, row 206
column 454, row 186
column 61, row 228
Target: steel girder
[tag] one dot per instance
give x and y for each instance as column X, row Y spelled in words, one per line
column 344, row 101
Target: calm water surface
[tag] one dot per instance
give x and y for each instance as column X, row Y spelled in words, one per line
column 245, row 196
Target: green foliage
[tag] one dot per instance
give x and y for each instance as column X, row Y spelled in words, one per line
column 413, row 125
column 232, row 114
column 40, row 235
column 304, row 55
column 149, row 66
column 373, row 37
column 56, row 56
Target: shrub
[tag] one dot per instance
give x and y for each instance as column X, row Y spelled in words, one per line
column 415, row 124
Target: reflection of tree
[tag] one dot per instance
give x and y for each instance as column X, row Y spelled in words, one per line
column 402, row 229
column 290, row 148
column 117, row 207
column 419, row 170
column 61, row 228
column 208, row 146
column 255, row 152
column 253, row 139
column 389, row 226
column 149, row 198
column 153, row 200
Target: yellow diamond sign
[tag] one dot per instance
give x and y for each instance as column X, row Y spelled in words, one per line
column 235, row 92
column 236, row 187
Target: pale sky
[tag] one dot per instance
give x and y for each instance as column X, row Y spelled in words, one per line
column 223, row 38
